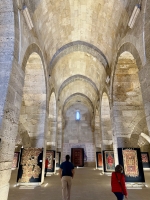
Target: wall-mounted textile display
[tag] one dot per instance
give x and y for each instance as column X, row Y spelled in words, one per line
column 30, row 166
column 130, row 159
column 145, row 159
column 15, row 160
column 108, row 161
column 50, row 154
column 77, row 157
column 58, row 156
column 99, row 159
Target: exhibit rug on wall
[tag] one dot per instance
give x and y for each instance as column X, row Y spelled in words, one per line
column 30, row 167
column 130, row 159
column 50, row 155
column 145, row 159
column 109, row 161
column 99, row 159
column 15, row 160
column 130, row 163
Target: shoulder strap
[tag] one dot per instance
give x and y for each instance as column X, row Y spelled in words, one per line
column 118, row 181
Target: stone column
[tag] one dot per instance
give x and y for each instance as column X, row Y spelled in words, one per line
column 9, row 125
column 62, row 139
column 114, row 136
column 144, row 73
column 59, row 133
column 144, row 76
column 97, row 135
column 10, row 93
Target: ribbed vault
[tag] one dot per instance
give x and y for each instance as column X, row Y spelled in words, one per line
column 78, row 39
column 78, row 98
column 74, row 79
column 78, row 63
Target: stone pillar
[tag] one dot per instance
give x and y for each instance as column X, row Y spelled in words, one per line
column 9, row 126
column 59, row 132
column 62, row 139
column 97, row 135
column 10, row 93
column 52, row 136
column 114, row 136
column 144, row 75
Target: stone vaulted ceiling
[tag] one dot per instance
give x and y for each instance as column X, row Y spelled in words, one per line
column 78, row 37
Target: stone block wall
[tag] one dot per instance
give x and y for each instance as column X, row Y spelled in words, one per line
column 78, row 134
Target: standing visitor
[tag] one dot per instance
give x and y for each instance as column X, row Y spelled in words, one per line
column 118, row 183
column 66, row 173
column 46, row 166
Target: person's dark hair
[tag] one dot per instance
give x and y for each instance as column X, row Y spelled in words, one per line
column 119, row 169
column 67, row 157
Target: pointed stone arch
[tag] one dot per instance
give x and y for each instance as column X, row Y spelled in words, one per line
column 79, row 46
column 77, row 77
column 33, row 109
column 127, row 98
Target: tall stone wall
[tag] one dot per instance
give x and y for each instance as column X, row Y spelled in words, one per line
column 78, row 134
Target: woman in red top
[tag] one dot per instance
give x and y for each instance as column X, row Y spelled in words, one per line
column 118, row 183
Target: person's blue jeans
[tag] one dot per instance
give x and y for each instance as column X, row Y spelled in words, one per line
column 119, row 195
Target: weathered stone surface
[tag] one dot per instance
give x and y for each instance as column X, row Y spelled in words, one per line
column 79, row 44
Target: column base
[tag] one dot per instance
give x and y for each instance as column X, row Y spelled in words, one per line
column 4, row 189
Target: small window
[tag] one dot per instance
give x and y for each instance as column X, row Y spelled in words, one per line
column 78, row 115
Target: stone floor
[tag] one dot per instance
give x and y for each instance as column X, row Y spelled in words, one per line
column 88, row 184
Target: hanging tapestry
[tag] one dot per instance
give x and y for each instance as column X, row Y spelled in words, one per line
column 130, row 163
column 99, row 159
column 144, row 158
column 30, row 168
column 15, row 160
column 109, row 161
column 50, row 155
column 130, row 159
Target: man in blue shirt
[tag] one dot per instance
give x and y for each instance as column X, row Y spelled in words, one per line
column 66, row 173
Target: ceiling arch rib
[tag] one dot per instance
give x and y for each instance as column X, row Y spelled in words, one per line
column 78, row 63
column 78, row 87
column 80, row 98
column 79, row 46
column 77, row 77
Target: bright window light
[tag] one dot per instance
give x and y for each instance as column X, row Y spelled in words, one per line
column 77, row 115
